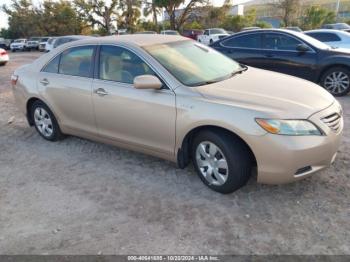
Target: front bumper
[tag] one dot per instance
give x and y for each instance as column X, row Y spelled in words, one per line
column 285, row 159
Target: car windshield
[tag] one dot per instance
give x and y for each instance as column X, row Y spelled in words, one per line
column 193, row 64
column 44, row 39
column 217, row 31
column 19, row 41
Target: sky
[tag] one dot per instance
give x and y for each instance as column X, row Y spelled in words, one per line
column 3, row 17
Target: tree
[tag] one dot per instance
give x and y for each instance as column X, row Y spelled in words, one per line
column 59, row 18
column 237, row 22
column 152, row 8
column 316, row 16
column 288, row 9
column 98, row 12
column 131, row 13
column 49, row 18
column 22, row 18
column 171, row 6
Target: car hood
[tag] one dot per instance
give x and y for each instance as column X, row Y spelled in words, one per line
column 270, row 94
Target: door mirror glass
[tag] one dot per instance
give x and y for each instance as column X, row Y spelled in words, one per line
column 147, row 82
column 303, row 48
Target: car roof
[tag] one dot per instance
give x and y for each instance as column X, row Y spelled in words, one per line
column 139, row 40
column 327, row 31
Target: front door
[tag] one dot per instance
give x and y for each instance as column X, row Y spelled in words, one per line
column 281, row 54
column 143, row 118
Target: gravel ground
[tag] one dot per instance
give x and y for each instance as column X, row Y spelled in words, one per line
column 82, row 197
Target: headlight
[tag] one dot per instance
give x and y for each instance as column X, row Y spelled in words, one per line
column 289, row 127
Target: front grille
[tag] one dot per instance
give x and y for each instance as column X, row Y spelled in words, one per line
column 333, row 121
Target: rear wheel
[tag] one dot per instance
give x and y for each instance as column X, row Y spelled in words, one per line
column 45, row 122
column 336, row 80
column 222, row 161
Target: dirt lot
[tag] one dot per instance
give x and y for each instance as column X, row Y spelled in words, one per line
column 82, row 197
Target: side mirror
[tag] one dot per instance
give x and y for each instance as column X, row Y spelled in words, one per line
column 302, row 48
column 147, row 82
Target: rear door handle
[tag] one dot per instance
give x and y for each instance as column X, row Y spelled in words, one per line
column 44, row 82
column 101, row 92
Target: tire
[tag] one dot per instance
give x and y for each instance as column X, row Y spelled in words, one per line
column 3, row 63
column 222, row 178
column 336, row 80
column 211, row 41
column 45, row 122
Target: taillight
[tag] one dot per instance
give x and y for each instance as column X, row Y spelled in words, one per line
column 14, row 79
column 3, row 53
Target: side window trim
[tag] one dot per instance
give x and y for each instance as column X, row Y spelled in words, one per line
column 97, row 66
column 261, row 43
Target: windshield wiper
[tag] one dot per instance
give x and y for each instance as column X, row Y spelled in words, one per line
column 239, row 71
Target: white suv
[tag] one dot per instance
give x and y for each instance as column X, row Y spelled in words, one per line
column 19, row 44
column 211, row 35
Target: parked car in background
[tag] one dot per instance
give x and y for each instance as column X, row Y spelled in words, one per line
column 66, row 39
column 291, row 53
column 42, row 43
column 146, row 33
column 4, row 57
column 331, row 37
column 250, row 28
column 337, row 26
column 212, row 35
column 294, row 28
column 192, row 33
column 49, row 44
column 198, row 104
column 169, row 32
column 33, row 43
column 18, row 44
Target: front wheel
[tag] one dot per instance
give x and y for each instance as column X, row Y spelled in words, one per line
column 222, row 161
column 336, row 80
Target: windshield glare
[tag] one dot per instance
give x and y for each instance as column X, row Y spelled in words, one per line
column 193, row 64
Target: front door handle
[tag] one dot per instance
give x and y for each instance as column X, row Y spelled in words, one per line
column 101, row 92
column 44, row 82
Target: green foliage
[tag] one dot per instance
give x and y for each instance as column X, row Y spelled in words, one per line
column 263, row 24
column 316, row 16
column 193, row 25
column 237, row 22
column 51, row 18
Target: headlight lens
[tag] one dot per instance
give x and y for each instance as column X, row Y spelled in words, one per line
column 289, row 127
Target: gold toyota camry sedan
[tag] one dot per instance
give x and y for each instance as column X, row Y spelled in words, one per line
column 177, row 99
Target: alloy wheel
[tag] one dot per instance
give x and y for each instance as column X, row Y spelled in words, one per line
column 337, row 82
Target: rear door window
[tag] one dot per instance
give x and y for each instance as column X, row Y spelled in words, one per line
column 244, row 41
column 52, row 66
column 77, row 61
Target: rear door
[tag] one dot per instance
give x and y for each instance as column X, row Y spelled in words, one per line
column 245, row 49
column 66, row 84
column 281, row 55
